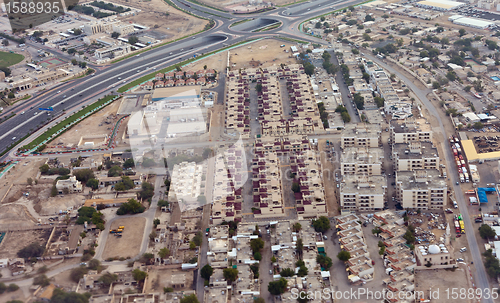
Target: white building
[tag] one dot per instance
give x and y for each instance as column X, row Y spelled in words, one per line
column 71, row 184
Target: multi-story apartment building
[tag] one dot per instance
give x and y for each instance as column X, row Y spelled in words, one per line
column 415, row 155
column 363, row 193
column 421, row 189
column 360, row 135
column 361, row 161
column 404, row 131
column 238, row 108
column 267, row 186
column 310, row 199
column 229, row 177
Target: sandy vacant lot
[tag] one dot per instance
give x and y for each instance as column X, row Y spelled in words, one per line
column 130, row 242
column 100, row 123
column 263, row 53
column 15, row 240
column 217, row 62
column 441, row 280
column 172, row 26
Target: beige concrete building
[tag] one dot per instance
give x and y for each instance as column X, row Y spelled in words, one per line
column 310, row 199
column 267, row 186
column 415, row 155
column 421, row 189
column 360, row 135
column 433, row 254
column 71, row 185
column 361, row 161
column 363, row 193
column 404, row 131
column 229, row 177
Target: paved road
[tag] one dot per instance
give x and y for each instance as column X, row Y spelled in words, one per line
column 85, row 90
column 480, row 278
column 344, row 91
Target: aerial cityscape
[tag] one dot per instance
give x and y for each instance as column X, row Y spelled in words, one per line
column 188, row 151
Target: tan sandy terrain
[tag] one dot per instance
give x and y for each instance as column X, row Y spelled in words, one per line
column 176, row 25
column 100, row 123
column 441, row 280
column 263, row 53
column 130, row 242
column 217, row 62
column 15, row 240
column 19, row 174
column 11, row 296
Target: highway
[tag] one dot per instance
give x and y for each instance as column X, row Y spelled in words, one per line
column 69, row 96
column 480, row 277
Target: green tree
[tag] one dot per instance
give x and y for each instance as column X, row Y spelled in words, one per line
column 94, row 264
column 322, row 224
column 190, row 299
column 230, row 274
column 33, row 250
column 486, row 232
column 133, row 40
column 256, row 244
column 130, row 207
column 77, row 273
column 409, row 236
column 115, row 171
column 139, row 275
column 297, row 227
column 12, row 287
column 41, row 280
column 147, row 191
column 277, row 287
column 44, row 168
column 93, row 183
column 115, row 35
column 108, row 278
column 287, row 272
column 84, row 175
column 461, row 32
column 129, row 163
column 206, row 272
column 164, row 252
column 60, row 296
column 478, row 125
column 344, row 255
column 324, row 261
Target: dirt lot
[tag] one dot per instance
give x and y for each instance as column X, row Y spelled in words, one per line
column 19, row 174
column 441, row 280
column 177, row 24
column 217, row 62
column 100, row 123
column 328, row 181
column 262, row 53
column 15, row 240
column 130, row 243
column 12, row 216
column 160, row 278
column 17, row 295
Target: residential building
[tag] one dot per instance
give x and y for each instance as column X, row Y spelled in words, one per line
column 71, row 185
column 408, row 130
column 360, row 135
column 421, row 189
column 361, row 161
column 267, row 186
column 415, row 155
column 363, row 193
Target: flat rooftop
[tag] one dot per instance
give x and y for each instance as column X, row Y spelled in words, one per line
column 410, row 126
column 177, row 92
column 420, row 179
column 415, row 150
column 363, row 185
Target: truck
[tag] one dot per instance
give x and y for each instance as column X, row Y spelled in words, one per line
column 462, row 179
column 466, row 176
column 457, row 227
column 460, row 157
column 462, row 162
column 459, row 165
column 455, row 152
column 464, row 170
column 121, row 227
column 478, row 219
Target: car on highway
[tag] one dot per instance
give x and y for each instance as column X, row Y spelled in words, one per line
column 119, row 78
column 35, row 114
column 13, row 138
column 22, row 113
